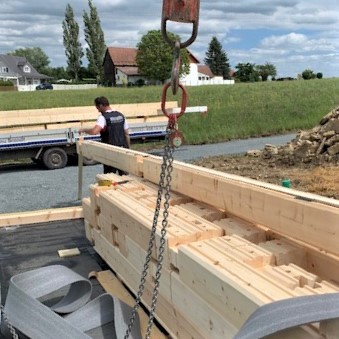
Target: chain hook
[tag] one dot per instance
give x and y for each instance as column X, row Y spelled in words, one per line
column 186, row 11
column 182, row 11
column 176, row 68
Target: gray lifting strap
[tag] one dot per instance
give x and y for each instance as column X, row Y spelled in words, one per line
column 37, row 320
column 288, row 313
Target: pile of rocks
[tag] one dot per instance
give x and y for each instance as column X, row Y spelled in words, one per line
column 320, row 144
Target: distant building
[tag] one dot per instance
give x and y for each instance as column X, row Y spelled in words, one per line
column 19, row 71
column 120, row 68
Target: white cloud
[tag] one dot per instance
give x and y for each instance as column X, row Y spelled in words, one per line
column 292, row 34
column 292, row 39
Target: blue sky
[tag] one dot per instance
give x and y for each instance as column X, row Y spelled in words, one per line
column 293, row 35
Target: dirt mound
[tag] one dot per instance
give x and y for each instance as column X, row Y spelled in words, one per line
column 318, row 145
column 310, row 161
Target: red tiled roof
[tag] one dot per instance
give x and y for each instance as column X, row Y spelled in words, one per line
column 129, row 70
column 204, row 69
column 192, row 58
column 126, row 56
column 123, row 56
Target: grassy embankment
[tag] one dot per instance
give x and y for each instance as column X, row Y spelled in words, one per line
column 238, row 111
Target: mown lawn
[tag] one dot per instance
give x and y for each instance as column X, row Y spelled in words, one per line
column 235, row 111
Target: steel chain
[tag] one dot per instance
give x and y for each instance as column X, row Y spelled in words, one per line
column 167, row 170
column 168, row 153
column 171, row 11
column 8, row 323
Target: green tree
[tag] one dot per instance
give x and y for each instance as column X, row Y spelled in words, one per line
column 217, row 59
column 319, row 75
column 308, row 74
column 94, row 36
column 35, row 55
column 73, row 49
column 155, row 56
column 246, row 72
column 57, row 73
column 266, row 70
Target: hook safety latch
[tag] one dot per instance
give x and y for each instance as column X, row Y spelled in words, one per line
column 186, row 11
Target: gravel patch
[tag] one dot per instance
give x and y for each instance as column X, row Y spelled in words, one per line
column 28, row 187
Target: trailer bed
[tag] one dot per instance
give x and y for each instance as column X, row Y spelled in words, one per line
column 26, row 247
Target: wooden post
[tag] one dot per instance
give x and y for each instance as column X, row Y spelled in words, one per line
column 80, row 167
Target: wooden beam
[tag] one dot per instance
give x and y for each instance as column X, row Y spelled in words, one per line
column 34, row 217
column 314, row 222
column 194, row 109
column 125, row 159
column 307, row 217
column 167, row 314
column 68, row 114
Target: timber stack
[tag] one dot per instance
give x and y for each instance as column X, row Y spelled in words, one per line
column 75, row 117
column 232, row 245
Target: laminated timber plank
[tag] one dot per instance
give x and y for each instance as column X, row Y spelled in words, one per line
column 125, row 159
column 152, row 171
column 87, row 212
column 125, row 212
column 203, row 318
column 313, row 222
column 166, row 314
column 249, row 231
column 311, row 258
column 22, row 129
column 10, row 121
column 34, row 217
column 291, row 213
column 85, row 113
column 88, row 231
column 285, row 252
column 229, row 288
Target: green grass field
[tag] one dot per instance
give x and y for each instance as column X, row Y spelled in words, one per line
column 236, row 111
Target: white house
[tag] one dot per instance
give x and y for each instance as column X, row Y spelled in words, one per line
column 19, row 71
column 121, row 69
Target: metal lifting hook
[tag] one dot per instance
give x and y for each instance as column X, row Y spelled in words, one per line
column 186, row 11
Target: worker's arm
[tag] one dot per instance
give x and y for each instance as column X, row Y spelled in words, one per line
column 92, row 131
column 128, row 139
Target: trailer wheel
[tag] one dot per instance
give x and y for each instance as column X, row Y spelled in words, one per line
column 55, row 158
column 89, row 162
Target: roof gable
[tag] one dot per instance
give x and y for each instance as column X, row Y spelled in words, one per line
column 192, row 58
column 205, row 69
column 129, row 70
column 17, row 63
column 126, row 56
column 123, row 56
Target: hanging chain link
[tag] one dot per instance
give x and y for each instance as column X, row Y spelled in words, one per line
column 8, row 323
column 166, row 166
column 180, row 11
column 167, row 169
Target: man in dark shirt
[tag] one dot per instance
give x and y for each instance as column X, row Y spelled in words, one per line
column 113, row 129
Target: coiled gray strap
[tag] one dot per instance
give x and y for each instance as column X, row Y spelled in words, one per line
column 288, row 313
column 36, row 320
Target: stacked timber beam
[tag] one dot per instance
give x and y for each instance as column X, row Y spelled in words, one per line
column 68, row 117
column 232, row 244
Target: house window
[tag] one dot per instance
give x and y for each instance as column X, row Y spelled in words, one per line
column 27, row 69
column 4, row 70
